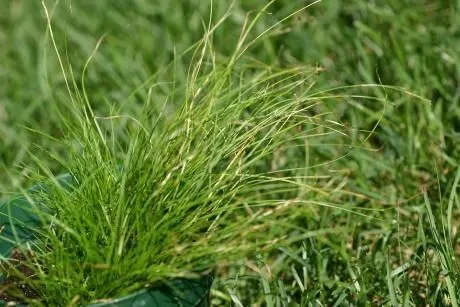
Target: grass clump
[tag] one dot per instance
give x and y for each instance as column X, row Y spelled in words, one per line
column 187, row 192
column 395, row 254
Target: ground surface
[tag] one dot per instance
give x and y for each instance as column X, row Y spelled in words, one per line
column 404, row 178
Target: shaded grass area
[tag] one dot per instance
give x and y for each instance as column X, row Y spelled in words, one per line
column 404, row 174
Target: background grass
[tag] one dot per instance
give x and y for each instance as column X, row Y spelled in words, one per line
column 402, row 253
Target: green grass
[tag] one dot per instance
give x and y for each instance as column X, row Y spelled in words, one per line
column 404, row 177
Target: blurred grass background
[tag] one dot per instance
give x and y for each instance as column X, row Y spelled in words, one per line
column 391, row 256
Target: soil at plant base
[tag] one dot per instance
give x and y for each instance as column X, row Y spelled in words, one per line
column 13, row 289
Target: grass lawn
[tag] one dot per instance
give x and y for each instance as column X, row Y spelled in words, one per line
column 380, row 167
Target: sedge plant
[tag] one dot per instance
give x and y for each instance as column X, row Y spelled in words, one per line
column 186, row 192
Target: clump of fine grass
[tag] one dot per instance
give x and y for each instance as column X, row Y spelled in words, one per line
column 187, row 193
column 362, row 31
